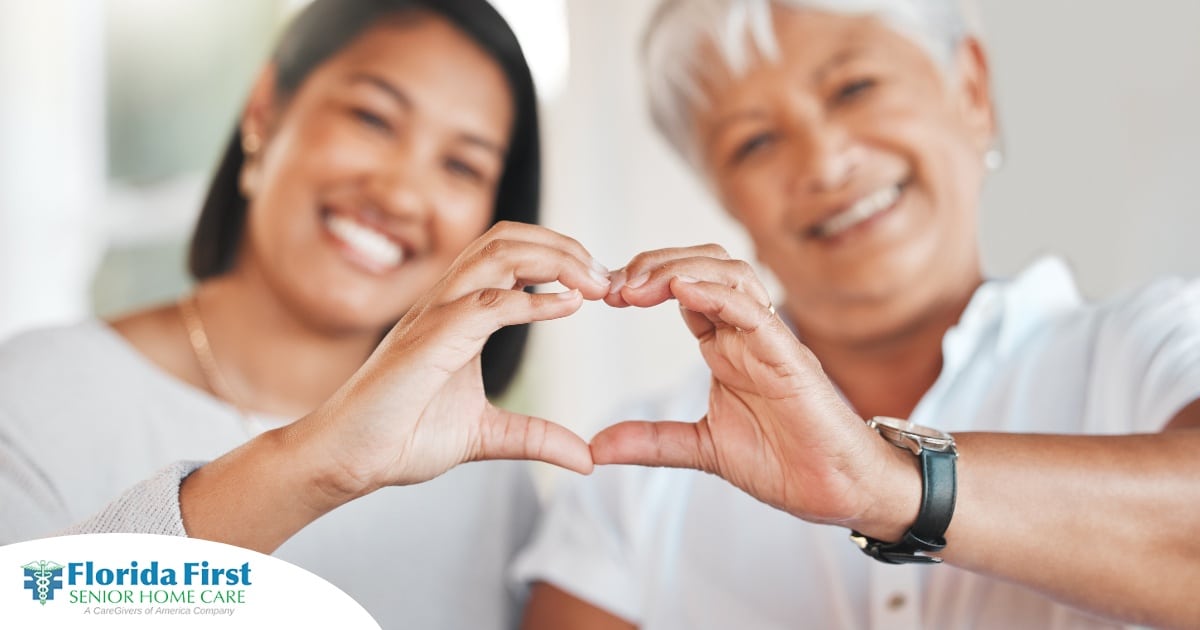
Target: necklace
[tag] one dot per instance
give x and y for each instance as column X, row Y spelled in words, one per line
column 189, row 312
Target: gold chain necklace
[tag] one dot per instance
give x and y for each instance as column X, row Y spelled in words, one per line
column 189, row 312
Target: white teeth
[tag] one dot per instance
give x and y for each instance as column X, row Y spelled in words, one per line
column 366, row 241
column 862, row 210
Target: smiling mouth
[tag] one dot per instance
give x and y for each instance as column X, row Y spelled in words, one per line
column 862, row 211
column 369, row 246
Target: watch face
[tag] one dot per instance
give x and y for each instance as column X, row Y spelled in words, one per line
column 901, row 429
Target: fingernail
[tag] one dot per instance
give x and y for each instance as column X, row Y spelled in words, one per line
column 567, row 295
column 618, row 282
column 638, row 281
column 600, row 278
column 601, row 268
column 686, row 279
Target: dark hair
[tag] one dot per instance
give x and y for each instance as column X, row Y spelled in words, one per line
column 319, row 32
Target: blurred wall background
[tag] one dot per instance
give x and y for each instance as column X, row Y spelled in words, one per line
column 112, row 114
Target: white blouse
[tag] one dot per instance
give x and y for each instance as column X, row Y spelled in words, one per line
column 677, row 549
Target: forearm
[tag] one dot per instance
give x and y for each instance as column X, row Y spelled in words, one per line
column 1107, row 524
column 260, row 494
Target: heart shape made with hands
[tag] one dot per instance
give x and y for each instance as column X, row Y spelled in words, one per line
column 723, row 304
column 719, row 297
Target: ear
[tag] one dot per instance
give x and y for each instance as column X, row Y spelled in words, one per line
column 257, row 123
column 975, row 93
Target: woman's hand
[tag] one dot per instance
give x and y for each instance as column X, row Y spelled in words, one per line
column 776, row 427
column 417, row 407
column 414, row 410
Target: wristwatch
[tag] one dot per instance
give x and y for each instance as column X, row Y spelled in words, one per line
column 939, row 485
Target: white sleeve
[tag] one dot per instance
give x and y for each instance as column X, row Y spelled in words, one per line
column 584, row 544
column 1151, row 342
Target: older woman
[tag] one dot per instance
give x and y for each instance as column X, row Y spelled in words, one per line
column 851, row 140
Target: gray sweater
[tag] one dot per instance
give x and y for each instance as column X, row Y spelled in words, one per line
column 95, row 438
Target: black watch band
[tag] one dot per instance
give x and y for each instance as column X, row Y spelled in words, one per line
column 938, row 492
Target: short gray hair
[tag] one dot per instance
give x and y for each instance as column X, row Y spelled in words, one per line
column 679, row 27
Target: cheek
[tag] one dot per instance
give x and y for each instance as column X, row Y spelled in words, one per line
column 459, row 221
column 331, row 152
column 299, row 164
column 321, row 146
column 771, row 228
column 943, row 165
column 955, row 173
column 757, row 197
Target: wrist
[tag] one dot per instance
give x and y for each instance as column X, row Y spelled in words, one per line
column 893, row 492
column 320, row 477
column 256, row 496
column 937, row 455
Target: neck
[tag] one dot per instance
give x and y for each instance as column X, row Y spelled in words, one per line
column 888, row 374
column 274, row 362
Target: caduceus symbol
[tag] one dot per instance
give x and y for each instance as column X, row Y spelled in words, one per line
column 42, row 571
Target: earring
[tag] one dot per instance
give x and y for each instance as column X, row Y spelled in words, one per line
column 251, row 143
column 993, row 159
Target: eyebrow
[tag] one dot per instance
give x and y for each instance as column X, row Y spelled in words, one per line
column 730, row 120
column 405, row 102
column 383, row 84
column 841, row 58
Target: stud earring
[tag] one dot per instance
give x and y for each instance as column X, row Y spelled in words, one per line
column 993, row 159
column 251, row 143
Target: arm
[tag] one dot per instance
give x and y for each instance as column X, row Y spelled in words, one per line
column 550, row 608
column 1103, row 523
column 1120, row 512
column 32, row 505
column 416, row 408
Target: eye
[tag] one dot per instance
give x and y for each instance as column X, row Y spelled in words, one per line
column 370, row 119
column 752, row 145
column 854, row 90
column 460, row 168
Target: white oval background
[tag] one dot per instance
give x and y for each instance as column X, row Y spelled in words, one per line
column 278, row 593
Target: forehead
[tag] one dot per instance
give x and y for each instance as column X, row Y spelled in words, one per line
column 808, row 46
column 801, row 38
column 439, row 67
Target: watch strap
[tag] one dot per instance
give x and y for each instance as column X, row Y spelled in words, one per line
column 927, row 534
column 938, row 495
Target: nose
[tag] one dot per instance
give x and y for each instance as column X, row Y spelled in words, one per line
column 825, row 158
column 400, row 189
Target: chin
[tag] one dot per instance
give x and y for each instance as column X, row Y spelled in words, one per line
column 871, row 280
column 853, row 300
column 345, row 313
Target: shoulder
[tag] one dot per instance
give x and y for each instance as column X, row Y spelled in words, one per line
column 1165, row 306
column 56, row 372
column 159, row 335
column 54, row 347
column 151, row 342
column 1137, row 325
column 1142, row 350
column 1154, row 333
column 1043, row 307
column 51, row 378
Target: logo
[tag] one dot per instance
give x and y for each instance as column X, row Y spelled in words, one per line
column 202, row 583
column 42, row 578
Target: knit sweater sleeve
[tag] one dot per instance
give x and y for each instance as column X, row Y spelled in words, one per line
column 150, row 507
